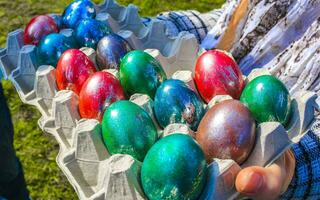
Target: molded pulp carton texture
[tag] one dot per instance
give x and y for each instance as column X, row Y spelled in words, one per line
column 83, row 157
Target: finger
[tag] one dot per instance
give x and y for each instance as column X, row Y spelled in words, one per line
column 262, row 183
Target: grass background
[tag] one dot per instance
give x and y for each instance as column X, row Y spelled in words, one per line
column 36, row 150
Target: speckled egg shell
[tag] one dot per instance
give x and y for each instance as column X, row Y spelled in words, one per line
column 175, row 102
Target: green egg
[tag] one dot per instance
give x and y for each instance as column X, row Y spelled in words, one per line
column 267, row 99
column 128, row 129
column 141, row 73
column 174, row 168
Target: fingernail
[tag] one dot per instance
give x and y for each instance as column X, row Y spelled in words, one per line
column 251, row 183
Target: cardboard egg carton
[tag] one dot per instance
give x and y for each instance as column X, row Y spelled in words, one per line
column 84, row 159
column 96, row 175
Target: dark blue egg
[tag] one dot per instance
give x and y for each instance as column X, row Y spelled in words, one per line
column 76, row 11
column 52, row 47
column 110, row 50
column 57, row 18
column 90, row 31
column 175, row 102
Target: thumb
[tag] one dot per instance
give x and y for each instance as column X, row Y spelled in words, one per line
column 266, row 183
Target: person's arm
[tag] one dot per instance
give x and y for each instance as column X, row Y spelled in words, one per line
column 191, row 21
column 306, row 181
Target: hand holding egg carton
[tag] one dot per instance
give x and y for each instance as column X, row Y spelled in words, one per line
column 89, row 150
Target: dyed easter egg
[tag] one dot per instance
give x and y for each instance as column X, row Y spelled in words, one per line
column 141, row 73
column 128, row 129
column 174, row 168
column 52, row 47
column 76, row 11
column 57, row 19
column 98, row 93
column 110, row 50
column 175, row 102
column 90, row 31
column 227, row 131
column 73, row 69
column 267, row 99
column 217, row 73
column 38, row 28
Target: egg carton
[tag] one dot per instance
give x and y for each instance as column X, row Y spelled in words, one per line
column 83, row 158
column 96, row 175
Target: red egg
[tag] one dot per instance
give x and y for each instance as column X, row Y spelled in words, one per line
column 98, row 93
column 73, row 69
column 217, row 73
column 38, row 28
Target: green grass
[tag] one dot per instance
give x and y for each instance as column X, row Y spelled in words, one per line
column 36, row 150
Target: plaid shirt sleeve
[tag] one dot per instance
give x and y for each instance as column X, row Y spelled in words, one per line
column 190, row 21
column 306, row 181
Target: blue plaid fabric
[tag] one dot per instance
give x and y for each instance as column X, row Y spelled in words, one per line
column 190, row 21
column 306, row 181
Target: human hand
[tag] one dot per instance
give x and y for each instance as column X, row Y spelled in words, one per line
column 267, row 183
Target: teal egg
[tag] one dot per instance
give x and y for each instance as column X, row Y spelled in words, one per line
column 52, row 47
column 128, row 129
column 175, row 102
column 174, row 168
column 267, row 99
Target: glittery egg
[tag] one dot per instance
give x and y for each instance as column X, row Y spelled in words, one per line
column 99, row 92
column 128, row 129
column 52, row 47
column 38, row 28
column 175, row 102
column 217, row 73
column 76, row 11
column 90, row 31
column 227, row 131
column 110, row 50
column 174, row 168
column 73, row 69
column 267, row 99
column 141, row 73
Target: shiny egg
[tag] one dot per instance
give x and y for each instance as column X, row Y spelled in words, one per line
column 76, row 11
column 90, row 31
column 128, row 129
column 175, row 102
column 98, row 93
column 267, row 99
column 141, row 73
column 217, row 73
column 227, row 131
column 111, row 49
column 73, row 69
column 174, row 168
column 52, row 47
column 38, row 28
